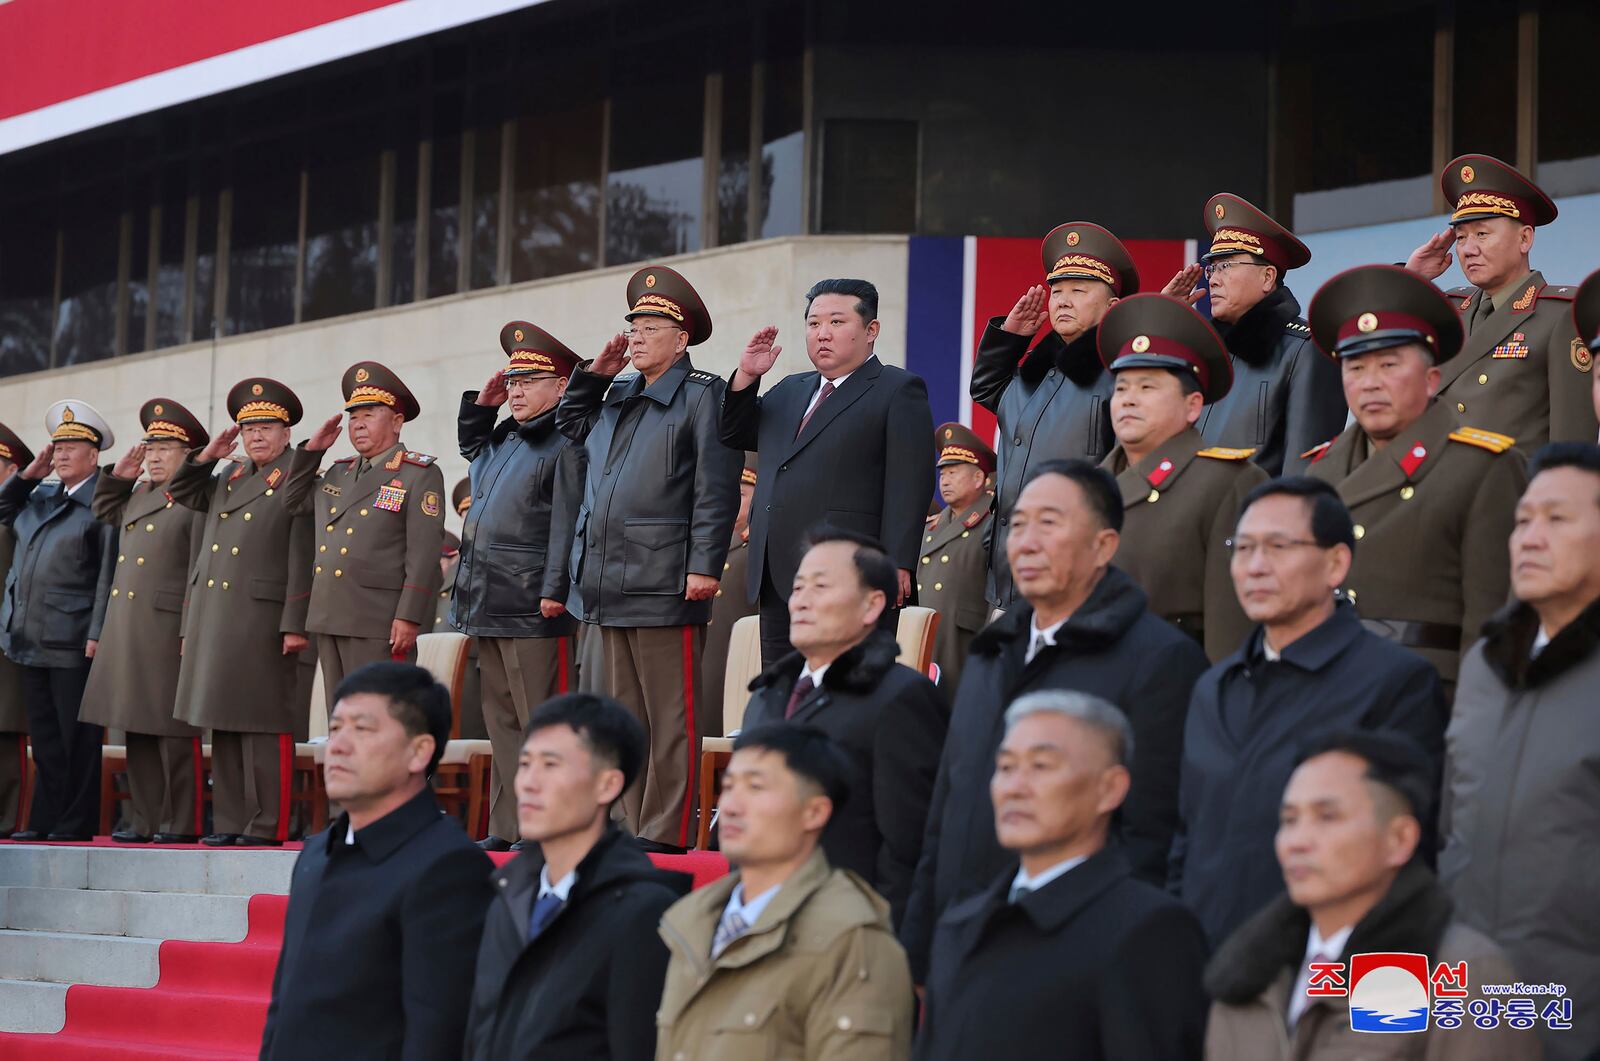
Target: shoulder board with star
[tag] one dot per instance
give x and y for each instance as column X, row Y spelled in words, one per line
column 703, row 377
column 1317, row 452
column 1461, row 297
column 931, row 520
column 1560, row 293
column 975, row 517
column 421, row 460
column 1223, row 453
column 1492, row 441
column 345, row 460
column 1298, row 327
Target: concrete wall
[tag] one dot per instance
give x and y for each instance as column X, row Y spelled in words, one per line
column 444, row 346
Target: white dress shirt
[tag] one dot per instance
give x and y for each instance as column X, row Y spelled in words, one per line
column 1540, row 640
column 816, row 395
column 68, row 491
column 1317, row 949
column 560, row 889
column 814, row 675
column 1038, row 638
column 1033, row 884
column 750, row 911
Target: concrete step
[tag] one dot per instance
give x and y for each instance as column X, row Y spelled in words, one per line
column 221, row 872
column 151, row 915
column 32, row 1006
column 79, row 958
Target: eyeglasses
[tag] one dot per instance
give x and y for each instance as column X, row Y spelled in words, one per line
column 1221, row 267
column 1276, row 548
column 650, row 331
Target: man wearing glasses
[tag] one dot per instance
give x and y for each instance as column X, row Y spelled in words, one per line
column 659, row 500
column 1285, row 399
column 1433, row 499
column 1308, row 665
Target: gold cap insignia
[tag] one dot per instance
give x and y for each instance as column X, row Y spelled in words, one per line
column 66, row 415
column 949, row 432
column 1221, row 212
column 1072, row 239
column 649, row 279
column 256, row 390
column 1467, row 175
column 362, row 375
column 1367, row 322
column 517, row 335
column 157, row 410
column 1140, row 343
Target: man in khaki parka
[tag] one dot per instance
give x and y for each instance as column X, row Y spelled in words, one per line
column 787, row 957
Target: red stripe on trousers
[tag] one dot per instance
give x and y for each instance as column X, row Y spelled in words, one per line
column 199, row 789
column 561, row 664
column 285, row 776
column 688, row 716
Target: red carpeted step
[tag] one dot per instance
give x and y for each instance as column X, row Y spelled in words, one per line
column 162, row 1016
column 69, row 1047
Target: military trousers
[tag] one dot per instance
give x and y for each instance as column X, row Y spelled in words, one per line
column 13, row 768
column 518, row 674
column 164, row 785
column 250, row 778
column 591, row 659
column 66, row 752
column 341, row 655
column 654, row 671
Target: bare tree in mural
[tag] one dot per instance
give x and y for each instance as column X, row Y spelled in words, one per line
column 733, row 197
column 640, row 227
column 557, row 229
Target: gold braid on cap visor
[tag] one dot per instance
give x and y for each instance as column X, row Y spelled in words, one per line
column 958, row 453
column 657, row 303
column 165, row 429
column 1232, row 239
column 253, row 411
column 1480, row 202
column 369, row 396
column 530, row 361
column 5, row 452
column 71, row 431
column 1082, row 265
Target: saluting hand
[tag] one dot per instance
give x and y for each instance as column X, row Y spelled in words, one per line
column 1184, row 286
column 326, row 435
column 1030, row 312
column 131, row 464
column 39, row 467
column 760, row 353
column 551, row 608
column 613, row 359
column 700, row 587
column 221, row 445
column 494, row 394
column 1432, row 258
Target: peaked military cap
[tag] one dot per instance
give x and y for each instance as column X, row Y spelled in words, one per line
column 369, row 383
column 1158, row 331
column 75, row 420
column 532, row 350
column 461, row 497
column 747, row 477
column 1478, row 186
column 12, row 448
column 1082, row 250
column 656, row 291
column 164, row 420
column 959, row 444
column 1237, row 226
column 1586, row 313
column 1374, row 307
column 260, row 400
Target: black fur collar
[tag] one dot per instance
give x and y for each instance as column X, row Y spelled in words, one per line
column 1078, row 360
column 1509, row 637
column 859, row 670
column 1412, row 917
column 1254, row 337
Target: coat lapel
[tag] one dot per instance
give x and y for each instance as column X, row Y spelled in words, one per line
column 1388, row 469
column 860, row 381
column 1157, row 472
column 812, row 705
column 242, row 486
column 949, row 526
column 147, row 499
column 1506, row 316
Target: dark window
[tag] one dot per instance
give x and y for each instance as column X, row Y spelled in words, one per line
column 444, row 217
column 653, row 189
column 167, row 299
column 1568, row 132
column 139, row 273
column 485, row 206
column 341, row 269
column 1485, row 104
column 783, row 149
column 733, row 170
column 264, row 240
column 403, row 227
column 869, row 176
column 555, row 224
column 27, row 289
column 206, row 236
column 86, row 317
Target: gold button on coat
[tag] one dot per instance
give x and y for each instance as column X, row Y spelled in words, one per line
column 1361, row 532
column 1407, row 493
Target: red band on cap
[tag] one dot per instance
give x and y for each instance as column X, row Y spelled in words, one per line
column 1385, row 321
column 1160, row 346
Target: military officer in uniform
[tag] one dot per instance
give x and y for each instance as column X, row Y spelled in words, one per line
column 1180, row 497
column 1433, row 498
column 512, row 583
column 133, row 684
column 246, row 621
column 379, row 519
column 1522, row 370
column 449, row 559
column 1285, row 396
column 730, row 604
column 1586, row 318
column 1053, row 404
column 461, row 497
column 659, row 501
column 50, row 624
column 953, row 570
column 14, row 454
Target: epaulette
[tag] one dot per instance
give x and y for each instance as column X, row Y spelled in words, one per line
column 1563, row 293
column 931, row 520
column 1223, row 453
column 1316, row 453
column 421, row 460
column 1492, row 441
column 1461, row 292
column 345, row 460
column 1300, row 328
column 703, row 377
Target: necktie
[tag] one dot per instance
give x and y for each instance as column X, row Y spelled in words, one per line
column 544, row 911
column 361, row 467
column 822, row 396
column 730, row 928
column 802, row 689
column 1018, row 891
column 1036, row 642
column 1484, row 310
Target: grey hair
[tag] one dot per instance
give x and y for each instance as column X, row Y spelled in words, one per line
column 1099, row 715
